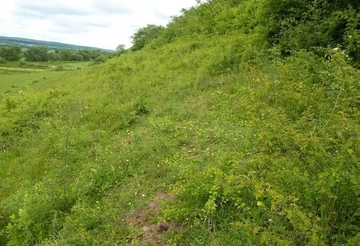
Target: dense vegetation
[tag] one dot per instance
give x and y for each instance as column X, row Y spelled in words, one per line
column 243, row 114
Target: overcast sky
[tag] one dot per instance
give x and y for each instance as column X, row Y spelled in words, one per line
column 97, row 23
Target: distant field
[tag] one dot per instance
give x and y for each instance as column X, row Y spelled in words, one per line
column 43, row 65
column 15, row 78
column 22, row 69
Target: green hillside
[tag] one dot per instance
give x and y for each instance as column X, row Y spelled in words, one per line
column 25, row 42
column 238, row 124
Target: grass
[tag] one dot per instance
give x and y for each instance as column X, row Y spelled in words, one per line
column 185, row 144
column 101, row 143
column 14, row 81
column 16, row 78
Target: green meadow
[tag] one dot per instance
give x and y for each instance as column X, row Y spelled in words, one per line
column 16, row 76
column 227, row 128
column 14, row 81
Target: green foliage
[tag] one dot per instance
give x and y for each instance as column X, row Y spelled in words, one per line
column 120, row 48
column 247, row 142
column 281, row 173
column 86, row 54
column 297, row 25
column 144, row 35
column 99, row 59
column 65, row 55
column 76, row 56
column 37, row 53
column 11, row 53
column 42, row 53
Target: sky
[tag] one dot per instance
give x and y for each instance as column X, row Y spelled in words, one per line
column 96, row 23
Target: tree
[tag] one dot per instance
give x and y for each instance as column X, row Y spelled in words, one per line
column 54, row 56
column 145, row 35
column 37, row 53
column 96, row 53
column 85, row 54
column 65, row 55
column 11, row 53
column 120, row 48
column 75, row 56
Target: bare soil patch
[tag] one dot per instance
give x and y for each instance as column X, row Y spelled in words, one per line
column 151, row 232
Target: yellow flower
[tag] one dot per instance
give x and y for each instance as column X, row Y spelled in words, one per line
column 260, row 204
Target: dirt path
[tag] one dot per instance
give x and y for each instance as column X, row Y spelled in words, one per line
column 151, row 232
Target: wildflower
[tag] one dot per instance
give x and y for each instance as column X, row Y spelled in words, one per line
column 260, row 204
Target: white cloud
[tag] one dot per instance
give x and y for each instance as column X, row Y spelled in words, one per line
column 98, row 23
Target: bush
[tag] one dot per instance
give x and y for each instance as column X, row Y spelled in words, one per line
column 59, row 68
column 22, row 63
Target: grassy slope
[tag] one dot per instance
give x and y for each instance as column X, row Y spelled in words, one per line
column 264, row 154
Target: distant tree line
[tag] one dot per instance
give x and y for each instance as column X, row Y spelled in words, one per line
column 42, row 53
column 11, row 53
column 140, row 39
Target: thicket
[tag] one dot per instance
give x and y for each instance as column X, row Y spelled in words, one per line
column 246, row 111
column 11, row 53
